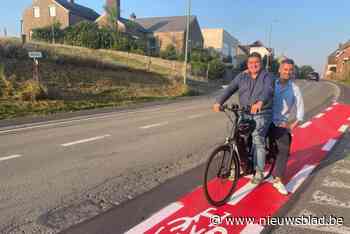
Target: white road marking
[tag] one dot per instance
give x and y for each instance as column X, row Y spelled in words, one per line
column 322, row 198
column 67, row 121
column 329, row 108
column 241, row 193
column 299, row 178
column 224, row 86
column 154, row 125
column 335, row 183
column 335, row 103
column 329, row 145
column 51, row 123
column 85, row 140
column 305, row 124
column 156, row 218
column 349, row 118
column 337, row 92
column 343, row 128
column 319, row 115
column 196, row 116
column 10, row 157
column 252, row 229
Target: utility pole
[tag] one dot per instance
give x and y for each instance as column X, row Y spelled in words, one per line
column 269, row 46
column 53, row 31
column 5, row 32
column 187, row 39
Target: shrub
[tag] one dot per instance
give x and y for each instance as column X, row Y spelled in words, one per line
column 46, row 33
column 6, row 87
column 31, row 90
column 169, row 53
column 84, row 34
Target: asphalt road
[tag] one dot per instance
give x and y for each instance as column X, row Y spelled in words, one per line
column 57, row 174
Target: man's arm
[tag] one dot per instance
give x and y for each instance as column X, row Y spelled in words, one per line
column 229, row 90
column 299, row 103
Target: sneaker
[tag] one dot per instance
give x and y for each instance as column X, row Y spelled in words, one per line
column 232, row 175
column 277, row 184
column 258, row 177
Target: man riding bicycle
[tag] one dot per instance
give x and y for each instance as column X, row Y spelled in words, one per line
column 287, row 101
column 255, row 88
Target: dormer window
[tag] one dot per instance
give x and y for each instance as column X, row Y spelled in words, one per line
column 52, row 10
column 36, row 12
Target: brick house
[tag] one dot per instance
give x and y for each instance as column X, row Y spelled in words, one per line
column 45, row 12
column 166, row 30
column 172, row 31
column 338, row 62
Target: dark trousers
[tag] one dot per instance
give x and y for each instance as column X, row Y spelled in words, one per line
column 283, row 139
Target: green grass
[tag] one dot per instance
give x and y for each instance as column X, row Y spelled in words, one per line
column 80, row 79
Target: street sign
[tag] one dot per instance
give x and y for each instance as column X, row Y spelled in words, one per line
column 35, row 54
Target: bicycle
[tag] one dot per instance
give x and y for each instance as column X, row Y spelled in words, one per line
column 236, row 160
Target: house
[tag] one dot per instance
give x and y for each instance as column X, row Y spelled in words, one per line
column 259, row 48
column 244, row 50
column 338, row 62
column 127, row 26
column 45, row 12
column 172, row 31
column 221, row 41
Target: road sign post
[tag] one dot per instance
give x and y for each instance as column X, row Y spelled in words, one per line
column 35, row 55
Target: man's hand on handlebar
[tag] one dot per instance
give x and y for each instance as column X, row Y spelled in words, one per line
column 256, row 108
column 217, row 107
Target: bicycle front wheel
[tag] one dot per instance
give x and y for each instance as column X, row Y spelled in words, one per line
column 221, row 175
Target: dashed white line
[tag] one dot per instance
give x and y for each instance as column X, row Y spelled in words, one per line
column 154, row 125
column 305, row 125
column 299, row 178
column 319, row 115
column 10, row 157
column 349, row 118
column 329, row 108
column 85, row 140
column 329, row 145
column 241, row 193
column 343, row 128
column 156, row 218
column 195, row 116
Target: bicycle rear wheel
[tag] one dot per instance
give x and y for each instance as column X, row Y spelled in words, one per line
column 221, row 175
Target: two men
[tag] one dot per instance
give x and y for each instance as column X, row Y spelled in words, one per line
column 259, row 89
column 255, row 88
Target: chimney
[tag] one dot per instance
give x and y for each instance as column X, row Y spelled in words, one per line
column 115, row 4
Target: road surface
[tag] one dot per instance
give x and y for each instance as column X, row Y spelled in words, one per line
column 57, row 174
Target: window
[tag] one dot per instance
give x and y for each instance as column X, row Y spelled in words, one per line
column 36, row 12
column 52, row 11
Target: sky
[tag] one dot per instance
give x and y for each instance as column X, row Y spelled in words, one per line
column 305, row 30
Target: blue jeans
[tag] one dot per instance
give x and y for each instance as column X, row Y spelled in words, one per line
column 263, row 121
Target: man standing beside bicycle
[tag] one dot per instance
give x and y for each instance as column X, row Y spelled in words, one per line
column 288, row 102
column 255, row 89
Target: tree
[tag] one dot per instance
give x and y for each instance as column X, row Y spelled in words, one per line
column 112, row 21
column 304, row 71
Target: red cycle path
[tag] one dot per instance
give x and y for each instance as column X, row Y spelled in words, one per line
column 192, row 214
